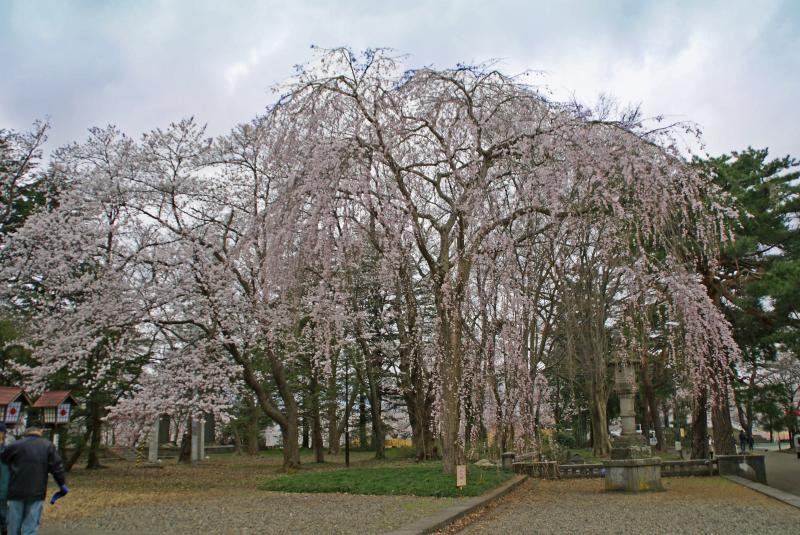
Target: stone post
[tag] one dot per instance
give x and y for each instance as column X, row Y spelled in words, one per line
column 625, row 386
column 630, row 445
column 202, row 432
column 508, row 460
column 152, row 454
column 195, row 440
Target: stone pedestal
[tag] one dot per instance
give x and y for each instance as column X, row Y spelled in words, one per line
column 508, row 460
column 634, row 475
column 630, row 447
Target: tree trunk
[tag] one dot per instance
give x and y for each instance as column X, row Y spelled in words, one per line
column 375, row 405
column 655, row 420
column 306, row 434
column 252, row 427
column 185, row 455
column 286, row 419
column 700, row 425
column 333, row 433
column 332, row 408
column 316, row 420
column 96, row 419
column 79, row 449
column 362, row 420
column 721, row 425
column 237, row 440
column 291, row 450
column 419, row 414
column 450, row 373
column 416, row 386
column 601, row 443
column 378, row 431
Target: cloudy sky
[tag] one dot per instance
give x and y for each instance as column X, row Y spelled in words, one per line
column 732, row 66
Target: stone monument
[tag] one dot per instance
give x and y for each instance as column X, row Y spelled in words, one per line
column 632, row 466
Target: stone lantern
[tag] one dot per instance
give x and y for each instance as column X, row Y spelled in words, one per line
column 632, row 466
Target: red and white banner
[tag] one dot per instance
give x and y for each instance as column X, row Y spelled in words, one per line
column 12, row 412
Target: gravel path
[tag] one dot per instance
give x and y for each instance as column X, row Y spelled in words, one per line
column 265, row 513
column 690, row 505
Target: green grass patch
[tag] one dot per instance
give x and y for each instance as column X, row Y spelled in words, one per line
column 423, row 479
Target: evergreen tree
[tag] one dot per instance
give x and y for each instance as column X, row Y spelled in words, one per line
column 757, row 273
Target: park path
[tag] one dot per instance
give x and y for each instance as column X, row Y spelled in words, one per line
column 690, row 505
column 783, row 471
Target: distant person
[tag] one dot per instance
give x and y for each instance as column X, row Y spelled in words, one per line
column 3, row 484
column 29, row 460
column 742, row 441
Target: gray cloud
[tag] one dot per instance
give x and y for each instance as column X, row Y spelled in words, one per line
column 730, row 66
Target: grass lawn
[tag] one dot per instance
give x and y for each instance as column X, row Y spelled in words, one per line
column 422, row 479
column 123, row 483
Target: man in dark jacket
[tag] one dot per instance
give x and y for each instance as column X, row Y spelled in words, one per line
column 29, row 460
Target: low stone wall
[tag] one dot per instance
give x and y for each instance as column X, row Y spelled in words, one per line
column 573, row 471
column 541, row 470
column 750, row 467
column 695, row 467
column 549, row 470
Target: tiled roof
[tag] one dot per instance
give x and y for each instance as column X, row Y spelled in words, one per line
column 53, row 399
column 12, row 393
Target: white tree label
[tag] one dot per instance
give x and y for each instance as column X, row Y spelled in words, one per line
column 461, row 475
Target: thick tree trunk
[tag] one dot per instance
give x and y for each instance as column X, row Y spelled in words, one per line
column 419, row 409
column 316, row 420
column 96, row 419
column 362, row 420
column 291, row 449
column 286, row 419
column 80, row 447
column 306, row 434
column 601, row 443
column 450, row 373
column 721, row 424
column 185, row 455
column 316, row 440
column 417, row 389
column 378, row 431
column 652, row 404
column 375, row 405
column 252, row 428
column 237, row 440
column 333, row 434
column 700, row 425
